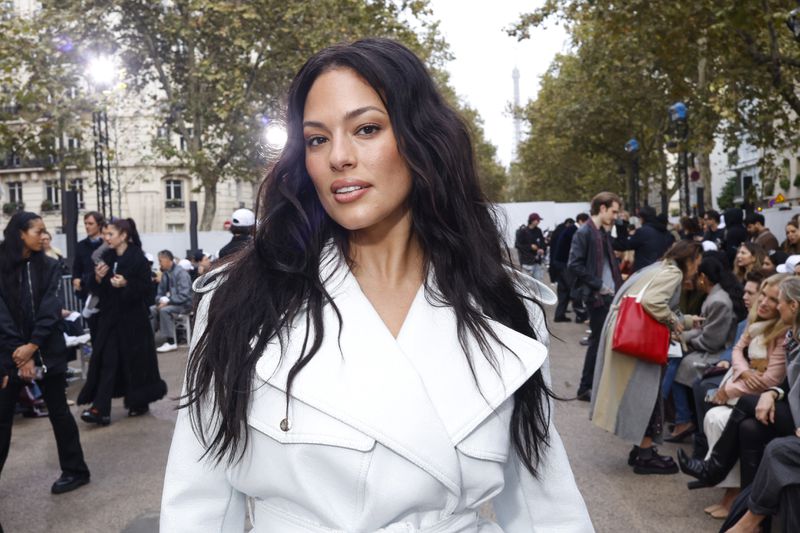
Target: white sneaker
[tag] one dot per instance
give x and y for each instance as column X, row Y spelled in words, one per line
column 167, row 347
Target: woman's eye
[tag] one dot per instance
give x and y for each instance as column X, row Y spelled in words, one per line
column 369, row 129
column 315, row 140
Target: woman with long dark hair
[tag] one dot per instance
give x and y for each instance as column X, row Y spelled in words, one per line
column 31, row 344
column 124, row 361
column 371, row 362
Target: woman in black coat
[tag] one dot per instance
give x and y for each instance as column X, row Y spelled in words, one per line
column 124, row 359
column 32, row 345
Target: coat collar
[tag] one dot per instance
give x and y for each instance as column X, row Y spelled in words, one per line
column 414, row 394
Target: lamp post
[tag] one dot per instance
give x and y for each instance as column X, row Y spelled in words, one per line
column 679, row 119
column 632, row 147
column 102, row 73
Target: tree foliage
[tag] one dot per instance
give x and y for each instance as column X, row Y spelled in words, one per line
column 734, row 64
column 216, row 71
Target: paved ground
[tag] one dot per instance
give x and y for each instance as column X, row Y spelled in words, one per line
column 127, row 462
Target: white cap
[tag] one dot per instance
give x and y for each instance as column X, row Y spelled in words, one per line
column 243, row 218
column 185, row 264
column 150, row 257
column 710, row 246
column 790, row 264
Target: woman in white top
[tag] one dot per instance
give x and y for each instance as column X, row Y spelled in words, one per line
column 370, row 362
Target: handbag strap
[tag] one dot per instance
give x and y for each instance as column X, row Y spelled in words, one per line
column 647, row 286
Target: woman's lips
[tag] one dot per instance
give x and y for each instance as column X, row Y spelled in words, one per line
column 346, row 191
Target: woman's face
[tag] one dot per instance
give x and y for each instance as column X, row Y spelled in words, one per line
column 691, row 267
column 792, row 234
column 32, row 238
column 768, row 267
column 787, row 310
column 114, row 237
column 352, row 157
column 768, row 303
column 46, row 241
column 744, row 258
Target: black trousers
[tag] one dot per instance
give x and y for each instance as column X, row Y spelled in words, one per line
column 597, row 317
column 754, row 436
column 70, row 453
column 562, row 280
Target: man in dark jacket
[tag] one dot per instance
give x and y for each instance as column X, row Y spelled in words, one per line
column 592, row 262
column 243, row 222
column 531, row 245
column 559, row 255
column 713, row 233
column 735, row 232
column 649, row 242
column 83, row 265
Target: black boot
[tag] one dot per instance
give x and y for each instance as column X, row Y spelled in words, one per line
column 723, row 456
column 700, row 448
column 748, row 464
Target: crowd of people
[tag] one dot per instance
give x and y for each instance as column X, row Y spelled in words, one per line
column 126, row 303
column 728, row 293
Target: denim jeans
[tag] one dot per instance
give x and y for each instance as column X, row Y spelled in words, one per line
column 680, row 393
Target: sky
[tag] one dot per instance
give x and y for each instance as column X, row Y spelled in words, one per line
column 485, row 57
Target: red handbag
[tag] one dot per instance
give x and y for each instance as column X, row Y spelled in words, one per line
column 638, row 334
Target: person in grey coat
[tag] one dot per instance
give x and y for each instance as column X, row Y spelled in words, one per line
column 722, row 310
column 174, row 296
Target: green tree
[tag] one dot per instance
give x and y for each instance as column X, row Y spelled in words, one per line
column 215, row 70
column 728, row 193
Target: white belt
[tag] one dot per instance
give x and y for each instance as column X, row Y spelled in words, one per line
column 267, row 519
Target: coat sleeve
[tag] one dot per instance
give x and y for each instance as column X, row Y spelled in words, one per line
column 548, row 503
column 713, row 336
column 578, row 256
column 49, row 312
column 198, row 495
column 138, row 283
column 658, row 295
column 182, row 292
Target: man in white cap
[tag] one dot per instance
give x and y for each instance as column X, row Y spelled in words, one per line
column 243, row 223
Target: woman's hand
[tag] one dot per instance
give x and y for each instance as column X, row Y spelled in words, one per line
column 697, row 322
column 678, row 327
column 721, row 397
column 752, row 379
column 765, row 409
column 796, row 431
column 28, row 371
column 724, row 364
column 118, row 281
column 3, row 382
column 23, row 354
column 100, row 271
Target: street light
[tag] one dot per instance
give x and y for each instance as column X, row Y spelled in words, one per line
column 679, row 119
column 632, row 147
column 102, row 72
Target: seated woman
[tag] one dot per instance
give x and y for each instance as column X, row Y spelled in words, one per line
column 749, row 257
column 753, row 422
column 714, row 332
column 776, row 487
column 758, row 363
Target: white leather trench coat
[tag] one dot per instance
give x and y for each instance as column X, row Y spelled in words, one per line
column 390, row 435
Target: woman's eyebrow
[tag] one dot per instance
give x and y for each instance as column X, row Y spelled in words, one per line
column 350, row 115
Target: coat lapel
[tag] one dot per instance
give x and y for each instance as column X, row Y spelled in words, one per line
column 414, row 394
column 368, row 383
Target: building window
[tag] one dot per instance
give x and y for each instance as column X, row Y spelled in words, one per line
column 174, row 193
column 77, row 186
column 162, row 132
column 15, row 192
column 52, row 195
column 184, row 141
column 73, row 143
column 176, row 228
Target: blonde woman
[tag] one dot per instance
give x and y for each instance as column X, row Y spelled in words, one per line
column 762, row 368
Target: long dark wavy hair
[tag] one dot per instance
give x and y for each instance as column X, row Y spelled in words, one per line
column 717, row 274
column 12, row 261
column 278, row 277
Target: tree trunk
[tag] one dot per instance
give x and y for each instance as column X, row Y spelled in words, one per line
column 703, row 157
column 209, row 207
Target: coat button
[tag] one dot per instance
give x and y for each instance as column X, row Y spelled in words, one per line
column 285, row 424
